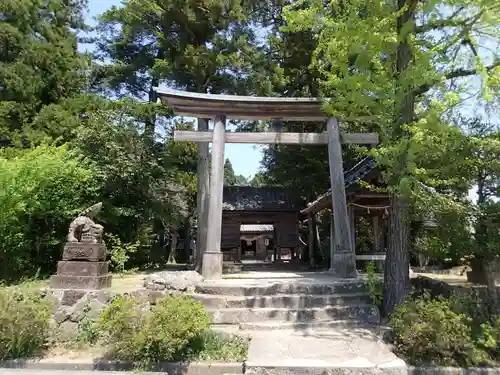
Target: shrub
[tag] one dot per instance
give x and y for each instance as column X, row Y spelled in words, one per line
column 489, row 339
column 427, row 331
column 120, row 323
column 164, row 333
column 374, row 284
column 41, row 190
column 215, row 346
column 119, row 252
column 24, row 324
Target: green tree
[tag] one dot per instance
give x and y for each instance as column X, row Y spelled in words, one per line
column 187, row 44
column 39, row 62
column 258, row 180
column 229, row 175
column 404, row 63
column 41, row 190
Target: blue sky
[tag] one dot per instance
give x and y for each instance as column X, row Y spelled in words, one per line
column 244, row 158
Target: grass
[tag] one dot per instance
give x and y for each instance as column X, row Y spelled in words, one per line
column 216, row 346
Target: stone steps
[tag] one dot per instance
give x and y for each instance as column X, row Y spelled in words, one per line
column 291, row 301
column 302, row 326
column 340, row 287
column 362, row 312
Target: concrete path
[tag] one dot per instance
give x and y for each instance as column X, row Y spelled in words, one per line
column 321, row 349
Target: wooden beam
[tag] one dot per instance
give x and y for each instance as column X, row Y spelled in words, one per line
column 276, row 138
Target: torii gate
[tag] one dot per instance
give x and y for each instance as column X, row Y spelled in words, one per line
column 222, row 107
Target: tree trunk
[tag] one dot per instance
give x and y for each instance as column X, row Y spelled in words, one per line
column 173, row 249
column 397, row 262
column 396, row 276
column 187, row 240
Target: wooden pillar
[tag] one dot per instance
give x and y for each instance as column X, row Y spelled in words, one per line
column 212, row 256
column 202, row 197
column 378, row 241
column 377, row 234
column 310, row 240
column 343, row 262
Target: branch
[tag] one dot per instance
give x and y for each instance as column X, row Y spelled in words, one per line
column 469, row 72
column 448, row 22
column 458, row 73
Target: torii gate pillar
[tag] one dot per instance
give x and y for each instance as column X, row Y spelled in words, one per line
column 212, row 256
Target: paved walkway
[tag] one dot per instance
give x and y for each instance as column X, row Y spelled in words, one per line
column 342, row 347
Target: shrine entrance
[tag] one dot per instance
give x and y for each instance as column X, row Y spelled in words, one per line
column 210, row 188
column 259, row 219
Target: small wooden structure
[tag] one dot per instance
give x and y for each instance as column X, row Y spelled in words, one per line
column 245, row 206
column 210, row 188
column 359, row 199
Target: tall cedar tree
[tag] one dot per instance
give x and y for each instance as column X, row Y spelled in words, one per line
column 39, row 62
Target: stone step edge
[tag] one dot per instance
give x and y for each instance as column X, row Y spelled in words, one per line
column 318, row 324
column 285, row 309
column 298, row 295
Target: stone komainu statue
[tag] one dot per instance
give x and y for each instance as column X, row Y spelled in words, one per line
column 84, row 229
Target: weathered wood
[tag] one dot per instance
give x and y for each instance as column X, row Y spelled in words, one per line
column 276, row 138
column 202, row 197
column 246, row 107
column 242, row 107
column 230, row 234
column 288, row 233
column 212, row 258
column 377, row 233
column 343, row 263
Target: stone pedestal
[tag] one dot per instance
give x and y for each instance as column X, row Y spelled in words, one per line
column 83, row 266
column 212, row 265
column 343, row 265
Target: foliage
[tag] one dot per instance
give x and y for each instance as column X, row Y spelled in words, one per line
column 87, row 332
column 490, row 338
column 162, row 334
column 24, row 324
column 147, row 188
column 119, row 252
column 39, row 62
column 375, row 286
column 41, row 190
column 230, row 178
column 433, row 332
column 215, row 346
column 213, row 50
column 404, row 64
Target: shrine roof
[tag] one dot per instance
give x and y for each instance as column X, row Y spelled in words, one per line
column 360, row 171
column 248, row 198
column 241, row 107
